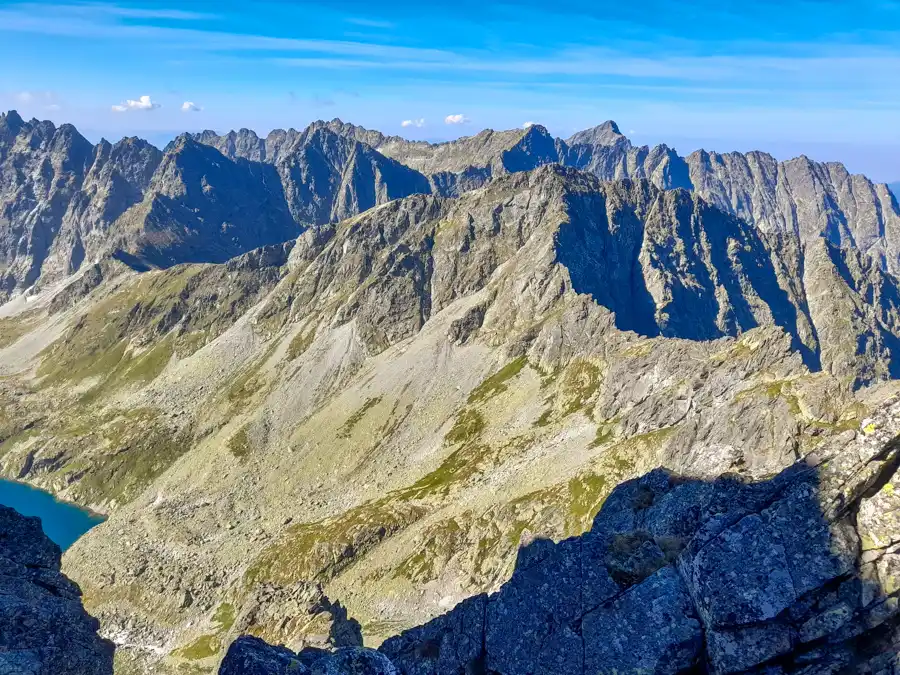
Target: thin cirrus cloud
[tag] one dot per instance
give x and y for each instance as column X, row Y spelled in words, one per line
column 142, row 103
column 418, row 123
column 797, row 67
column 369, row 23
column 190, row 106
column 456, row 119
column 96, row 21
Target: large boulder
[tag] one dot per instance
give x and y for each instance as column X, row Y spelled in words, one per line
column 251, row 656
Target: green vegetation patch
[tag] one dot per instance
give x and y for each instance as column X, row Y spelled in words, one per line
column 441, row 542
column 239, row 445
column 138, row 450
column 224, row 616
column 300, row 343
column 455, row 470
column 580, row 383
column 319, row 551
column 354, row 419
column 586, row 494
column 203, row 647
column 175, row 311
column 14, row 327
column 774, row 390
column 468, row 427
column 498, row 382
column 544, row 419
column 96, row 345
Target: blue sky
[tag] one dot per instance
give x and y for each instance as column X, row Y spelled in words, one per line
column 820, row 77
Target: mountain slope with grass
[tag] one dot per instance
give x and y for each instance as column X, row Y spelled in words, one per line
column 388, row 407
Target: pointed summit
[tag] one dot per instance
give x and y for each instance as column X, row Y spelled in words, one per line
column 11, row 120
column 604, row 134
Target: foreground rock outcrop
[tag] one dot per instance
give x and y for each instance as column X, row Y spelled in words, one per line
column 44, row 629
column 797, row 574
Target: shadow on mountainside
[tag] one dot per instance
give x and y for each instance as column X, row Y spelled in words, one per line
column 667, row 263
column 795, row 574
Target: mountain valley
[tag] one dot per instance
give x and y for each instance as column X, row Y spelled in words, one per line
column 335, row 363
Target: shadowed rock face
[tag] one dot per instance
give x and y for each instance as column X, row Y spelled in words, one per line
column 65, row 203
column 679, row 575
column 832, row 238
column 43, row 627
column 201, row 207
column 895, row 189
column 328, row 171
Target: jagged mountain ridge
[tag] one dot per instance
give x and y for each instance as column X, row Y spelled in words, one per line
column 65, row 203
column 797, row 197
column 798, row 201
column 817, row 217
column 389, row 406
column 333, row 170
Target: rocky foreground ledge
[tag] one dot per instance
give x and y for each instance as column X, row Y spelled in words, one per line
column 798, row 574
column 44, row 629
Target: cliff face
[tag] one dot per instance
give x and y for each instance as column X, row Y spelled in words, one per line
column 382, row 409
column 797, row 574
column 43, row 626
column 391, row 408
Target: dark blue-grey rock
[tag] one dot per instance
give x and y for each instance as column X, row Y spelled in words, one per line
column 353, row 661
column 450, row 644
column 249, row 655
column 44, row 629
column 529, row 628
column 651, row 628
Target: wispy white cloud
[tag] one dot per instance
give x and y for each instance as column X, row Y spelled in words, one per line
column 113, row 10
column 73, row 21
column 455, row 119
column 817, row 66
column 143, row 103
column 419, row 123
column 46, row 100
column 526, row 125
column 370, row 23
column 864, row 67
column 190, row 106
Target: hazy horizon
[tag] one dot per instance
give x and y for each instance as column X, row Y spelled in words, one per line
column 813, row 77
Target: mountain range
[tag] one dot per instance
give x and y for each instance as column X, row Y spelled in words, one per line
column 332, row 359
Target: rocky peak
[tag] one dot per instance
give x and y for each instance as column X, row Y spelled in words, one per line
column 603, row 134
column 361, row 134
column 10, row 124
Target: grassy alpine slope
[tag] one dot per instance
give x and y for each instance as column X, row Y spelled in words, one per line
column 388, row 407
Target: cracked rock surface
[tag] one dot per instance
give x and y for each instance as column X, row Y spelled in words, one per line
column 43, row 626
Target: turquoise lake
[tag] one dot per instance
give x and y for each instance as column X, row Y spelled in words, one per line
column 63, row 522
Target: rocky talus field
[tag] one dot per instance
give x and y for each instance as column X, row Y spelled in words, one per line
column 330, row 383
